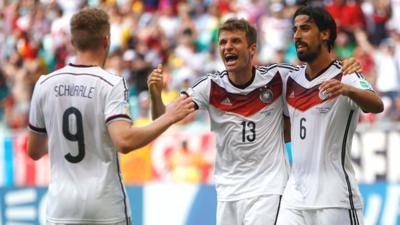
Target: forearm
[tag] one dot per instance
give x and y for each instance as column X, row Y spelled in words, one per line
column 367, row 100
column 157, row 107
column 144, row 135
column 37, row 145
column 133, row 137
column 286, row 129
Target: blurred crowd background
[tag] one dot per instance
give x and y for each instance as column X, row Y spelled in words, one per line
column 182, row 35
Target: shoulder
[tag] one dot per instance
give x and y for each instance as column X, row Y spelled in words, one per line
column 109, row 78
column 282, row 68
column 352, row 77
column 298, row 72
column 216, row 76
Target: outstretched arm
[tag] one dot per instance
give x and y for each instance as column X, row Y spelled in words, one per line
column 155, row 84
column 127, row 137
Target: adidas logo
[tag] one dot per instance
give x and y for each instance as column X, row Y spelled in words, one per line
column 291, row 95
column 226, row 101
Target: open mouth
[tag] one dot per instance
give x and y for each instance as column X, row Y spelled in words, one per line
column 231, row 58
column 300, row 46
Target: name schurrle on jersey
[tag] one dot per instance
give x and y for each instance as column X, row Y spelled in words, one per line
column 74, row 90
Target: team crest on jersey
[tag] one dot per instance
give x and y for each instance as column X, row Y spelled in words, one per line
column 266, row 95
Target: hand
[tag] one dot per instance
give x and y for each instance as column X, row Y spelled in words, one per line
column 155, row 81
column 351, row 65
column 180, row 108
column 333, row 88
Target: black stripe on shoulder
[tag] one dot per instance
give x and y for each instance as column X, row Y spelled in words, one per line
column 222, row 73
column 118, row 116
column 265, row 69
column 200, row 81
column 77, row 74
column 360, row 75
column 288, row 66
column 37, row 129
column 338, row 64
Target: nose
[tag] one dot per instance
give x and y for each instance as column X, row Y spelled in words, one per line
column 228, row 45
column 296, row 35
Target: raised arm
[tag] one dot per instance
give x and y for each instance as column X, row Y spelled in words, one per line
column 155, row 84
column 127, row 137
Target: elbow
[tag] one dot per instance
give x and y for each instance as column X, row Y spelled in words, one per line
column 34, row 156
column 123, row 146
column 378, row 107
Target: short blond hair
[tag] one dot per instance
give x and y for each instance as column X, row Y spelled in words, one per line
column 88, row 27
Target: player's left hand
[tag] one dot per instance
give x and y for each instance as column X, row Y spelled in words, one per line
column 333, row 88
column 351, row 65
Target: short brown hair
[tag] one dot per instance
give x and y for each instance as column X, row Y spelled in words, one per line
column 235, row 24
column 88, row 28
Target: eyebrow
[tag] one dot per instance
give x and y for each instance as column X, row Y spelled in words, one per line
column 308, row 21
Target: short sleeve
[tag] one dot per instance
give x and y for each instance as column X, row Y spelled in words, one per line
column 200, row 92
column 36, row 117
column 116, row 105
column 356, row 80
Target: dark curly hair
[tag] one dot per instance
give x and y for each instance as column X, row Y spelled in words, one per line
column 322, row 19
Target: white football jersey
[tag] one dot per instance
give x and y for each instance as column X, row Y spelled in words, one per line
column 322, row 128
column 73, row 106
column 248, row 124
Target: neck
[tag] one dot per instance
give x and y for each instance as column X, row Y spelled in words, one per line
column 241, row 77
column 320, row 63
column 90, row 58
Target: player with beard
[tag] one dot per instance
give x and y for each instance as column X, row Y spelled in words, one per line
column 245, row 106
column 323, row 106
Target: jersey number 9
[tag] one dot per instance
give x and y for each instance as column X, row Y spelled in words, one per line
column 78, row 136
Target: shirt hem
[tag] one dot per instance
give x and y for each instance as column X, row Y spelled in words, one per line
column 219, row 199
column 86, row 221
column 303, row 207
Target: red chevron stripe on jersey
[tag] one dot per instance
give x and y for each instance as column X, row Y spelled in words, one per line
column 246, row 105
column 302, row 98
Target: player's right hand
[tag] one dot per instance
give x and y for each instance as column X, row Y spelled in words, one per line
column 180, row 108
column 155, row 81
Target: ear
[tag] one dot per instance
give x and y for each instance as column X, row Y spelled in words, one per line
column 106, row 41
column 253, row 49
column 325, row 35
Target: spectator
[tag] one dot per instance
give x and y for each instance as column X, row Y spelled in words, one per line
column 387, row 73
